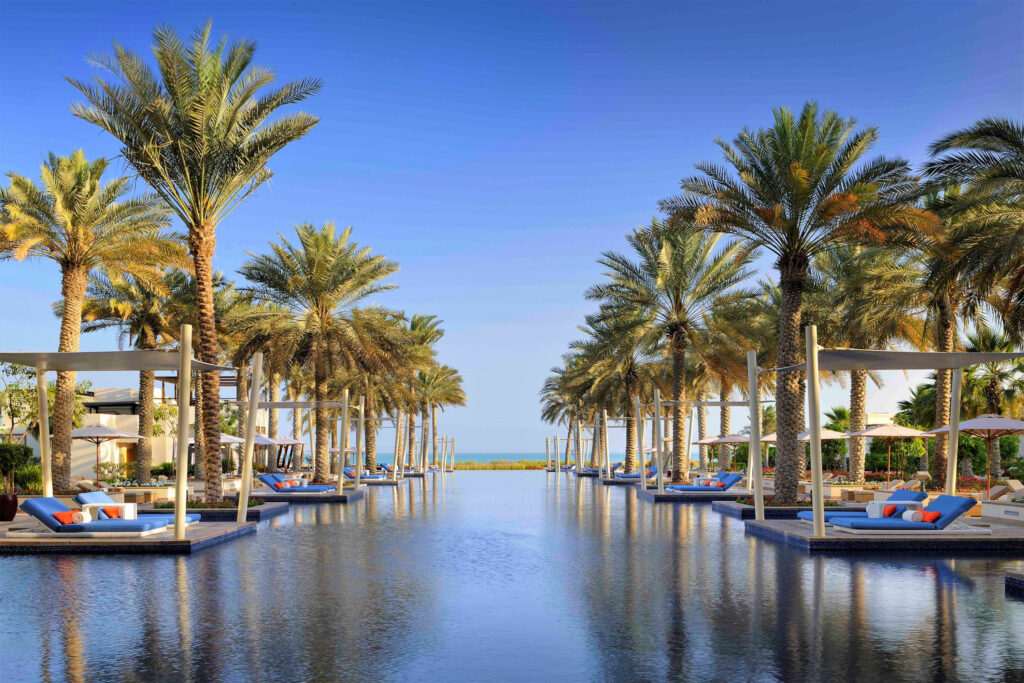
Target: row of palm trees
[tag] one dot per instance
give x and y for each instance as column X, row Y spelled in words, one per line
column 873, row 253
column 198, row 131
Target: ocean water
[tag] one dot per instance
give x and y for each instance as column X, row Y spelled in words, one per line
column 508, row 576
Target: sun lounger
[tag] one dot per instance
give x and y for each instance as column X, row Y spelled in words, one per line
column 568, row 468
column 350, row 473
column 896, row 497
column 43, row 510
column 950, row 509
column 93, row 502
column 724, row 481
column 651, row 471
column 272, row 481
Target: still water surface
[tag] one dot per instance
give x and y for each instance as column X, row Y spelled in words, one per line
column 506, row 576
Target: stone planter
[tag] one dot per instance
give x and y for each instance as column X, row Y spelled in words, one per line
column 8, row 506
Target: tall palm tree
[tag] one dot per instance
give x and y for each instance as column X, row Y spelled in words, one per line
column 998, row 379
column 138, row 309
column 317, row 284
column 987, row 158
column 668, row 292
column 439, row 386
column 84, row 227
column 426, row 331
column 795, row 189
column 198, row 131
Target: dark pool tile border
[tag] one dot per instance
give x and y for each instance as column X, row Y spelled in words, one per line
column 1015, row 584
column 142, row 547
column 307, row 499
column 655, row 497
column 257, row 514
column 960, row 545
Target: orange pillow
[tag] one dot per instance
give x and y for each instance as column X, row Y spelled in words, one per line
column 720, row 484
column 113, row 513
column 64, row 517
column 280, row 485
column 293, row 482
column 930, row 516
column 888, row 510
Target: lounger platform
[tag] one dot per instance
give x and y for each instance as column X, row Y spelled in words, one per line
column 1007, row 538
column 414, row 475
column 618, row 482
column 384, row 482
column 744, row 511
column 253, row 514
column 670, row 496
column 197, row 537
column 1015, row 584
column 306, row 498
column 589, row 475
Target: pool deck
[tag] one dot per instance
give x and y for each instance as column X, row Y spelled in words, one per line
column 669, row 496
column 253, row 514
column 306, row 498
column 384, row 482
column 744, row 511
column 587, row 475
column 618, row 482
column 1015, row 583
column 1006, row 538
column 198, row 536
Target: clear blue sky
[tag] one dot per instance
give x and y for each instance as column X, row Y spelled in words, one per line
column 495, row 149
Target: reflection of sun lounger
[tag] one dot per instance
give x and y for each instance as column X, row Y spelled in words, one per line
column 54, row 517
column 949, row 509
column 94, row 501
column 896, row 497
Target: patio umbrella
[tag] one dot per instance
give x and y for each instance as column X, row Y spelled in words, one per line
column 990, row 428
column 225, row 439
column 98, row 434
column 888, row 434
column 826, row 435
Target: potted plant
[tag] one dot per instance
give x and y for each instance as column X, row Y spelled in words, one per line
column 13, row 456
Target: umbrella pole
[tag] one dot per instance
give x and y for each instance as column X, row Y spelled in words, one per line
column 888, row 464
column 97, row 464
column 988, row 468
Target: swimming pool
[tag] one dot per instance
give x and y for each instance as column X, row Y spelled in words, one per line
column 506, row 576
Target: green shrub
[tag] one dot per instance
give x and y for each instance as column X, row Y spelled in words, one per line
column 28, row 477
column 227, row 465
column 165, row 469
column 13, row 457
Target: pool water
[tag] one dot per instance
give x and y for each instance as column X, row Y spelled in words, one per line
column 507, row 576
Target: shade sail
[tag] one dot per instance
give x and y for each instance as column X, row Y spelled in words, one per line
column 869, row 359
column 729, row 439
column 987, row 426
column 102, row 433
column 288, row 441
column 294, row 404
column 892, row 432
column 225, row 439
column 706, row 441
column 94, row 361
column 261, row 440
column 826, row 435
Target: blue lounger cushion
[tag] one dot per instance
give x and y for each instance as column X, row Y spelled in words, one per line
column 42, row 509
column 729, row 479
column 950, row 507
column 271, row 479
column 100, row 497
column 895, row 497
column 648, row 474
column 350, row 473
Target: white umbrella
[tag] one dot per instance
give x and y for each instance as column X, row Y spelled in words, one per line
column 261, row 440
column 888, row 434
column 988, row 427
column 98, row 434
column 826, row 435
column 225, row 439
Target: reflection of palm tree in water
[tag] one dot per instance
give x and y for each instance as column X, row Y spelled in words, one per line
column 70, row 607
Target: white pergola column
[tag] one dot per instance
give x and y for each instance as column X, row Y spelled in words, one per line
column 578, row 449
column 953, row 445
column 181, row 456
column 423, row 445
column 638, row 424
column 547, row 454
column 44, row 431
column 251, row 413
column 604, row 442
column 656, row 435
column 754, row 454
column 344, row 441
column 689, row 442
column 814, row 420
column 360, row 431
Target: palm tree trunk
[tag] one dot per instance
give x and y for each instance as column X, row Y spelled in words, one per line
column 725, row 426
column 293, row 395
column 370, row 435
column 702, row 431
column 858, row 418
column 680, row 460
column 411, row 455
column 201, row 243
column 74, row 281
column 433, row 433
column 789, row 453
column 631, row 432
column 144, row 451
column 321, row 460
column 568, row 439
column 274, row 391
column 199, row 446
column 946, row 330
column 993, row 397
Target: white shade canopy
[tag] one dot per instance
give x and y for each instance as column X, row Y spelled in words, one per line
column 987, row 426
column 706, row 441
column 288, row 441
column 98, row 433
column 225, row 439
column 868, row 359
column 826, row 435
column 98, row 361
column 729, row 439
column 293, row 404
column 886, row 432
column 261, row 440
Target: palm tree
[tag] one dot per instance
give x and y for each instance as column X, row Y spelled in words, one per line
column 84, row 227
column 794, row 192
column 999, row 380
column 197, row 132
column 667, row 293
column 138, row 310
column 426, row 331
column 317, row 284
column 988, row 159
column 438, row 387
